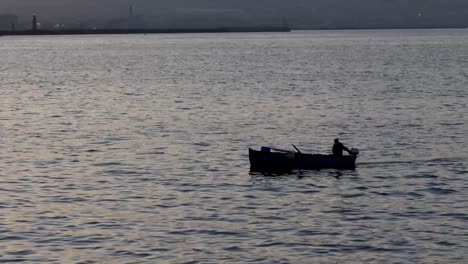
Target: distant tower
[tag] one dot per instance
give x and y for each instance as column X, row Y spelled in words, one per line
column 34, row 23
column 130, row 12
column 131, row 17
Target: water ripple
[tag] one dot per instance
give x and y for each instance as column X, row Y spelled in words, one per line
column 133, row 149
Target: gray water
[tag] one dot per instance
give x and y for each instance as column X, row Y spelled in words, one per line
column 133, row 149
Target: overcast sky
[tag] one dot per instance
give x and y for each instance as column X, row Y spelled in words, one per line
column 301, row 13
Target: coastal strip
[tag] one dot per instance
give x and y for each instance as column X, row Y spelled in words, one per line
column 144, row 31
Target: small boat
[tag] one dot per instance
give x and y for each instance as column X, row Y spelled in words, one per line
column 283, row 161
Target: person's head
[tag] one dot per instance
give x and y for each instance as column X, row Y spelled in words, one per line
column 337, row 140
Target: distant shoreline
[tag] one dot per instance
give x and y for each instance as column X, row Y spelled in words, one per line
column 379, row 28
column 206, row 30
column 141, row 31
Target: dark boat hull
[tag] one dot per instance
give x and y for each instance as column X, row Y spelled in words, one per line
column 261, row 161
column 265, row 161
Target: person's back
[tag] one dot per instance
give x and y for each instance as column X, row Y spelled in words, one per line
column 338, row 148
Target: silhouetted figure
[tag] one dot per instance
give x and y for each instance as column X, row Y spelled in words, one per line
column 338, row 148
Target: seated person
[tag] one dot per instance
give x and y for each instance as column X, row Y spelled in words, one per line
column 338, row 148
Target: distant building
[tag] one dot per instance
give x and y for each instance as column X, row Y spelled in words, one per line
column 207, row 18
column 130, row 12
column 8, row 22
column 132, row 21
column 34, row 23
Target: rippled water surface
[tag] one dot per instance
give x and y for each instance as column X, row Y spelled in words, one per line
column 133, row 149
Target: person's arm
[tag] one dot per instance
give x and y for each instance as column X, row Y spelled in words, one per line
column 347, row 149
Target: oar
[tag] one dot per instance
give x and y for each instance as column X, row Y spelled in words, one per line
column 296, row 148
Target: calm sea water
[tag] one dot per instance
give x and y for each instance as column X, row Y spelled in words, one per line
column 133, row 149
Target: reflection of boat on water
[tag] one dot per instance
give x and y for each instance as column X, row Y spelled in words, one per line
column 277, row 160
